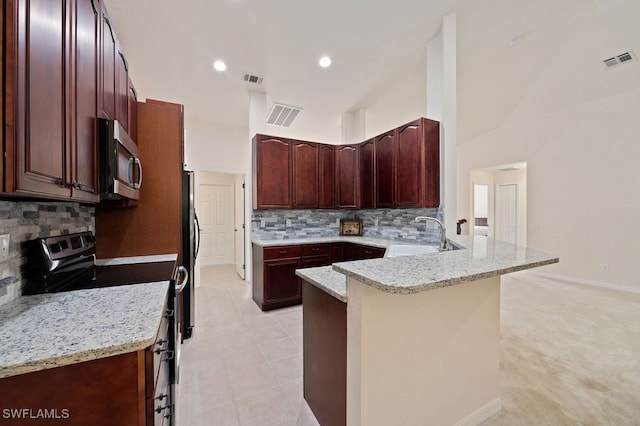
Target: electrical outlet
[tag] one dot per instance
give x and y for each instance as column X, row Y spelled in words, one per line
column 606, row 268
column 4, row 246
column 288, row 223
column 262, row 223
column 376, row 221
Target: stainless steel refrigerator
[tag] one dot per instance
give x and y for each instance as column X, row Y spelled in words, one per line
column 190, row 247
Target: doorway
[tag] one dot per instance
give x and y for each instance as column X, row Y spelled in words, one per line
column 220, row 207
column 482, row 199
column 498, row 205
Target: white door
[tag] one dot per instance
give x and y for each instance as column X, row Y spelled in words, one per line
column 506, row 220
column 216, row 224
column 239, row 228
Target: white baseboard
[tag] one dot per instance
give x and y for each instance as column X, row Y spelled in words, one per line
column 481, row 414
column 593, row 283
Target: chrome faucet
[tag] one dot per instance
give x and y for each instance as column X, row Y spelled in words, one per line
column 443, row 233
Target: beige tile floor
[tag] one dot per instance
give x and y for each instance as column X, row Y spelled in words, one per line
column 242, row 366
column 569, row 356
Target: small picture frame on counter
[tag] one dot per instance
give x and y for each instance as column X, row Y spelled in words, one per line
column 351, row 227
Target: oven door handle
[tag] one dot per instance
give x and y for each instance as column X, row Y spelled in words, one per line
column 183, row 283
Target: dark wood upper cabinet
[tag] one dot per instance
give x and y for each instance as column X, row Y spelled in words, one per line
column 272, row 172
column 37, row 99
column 400, row 168
column 108, row 70
column 367, row 176
column 305, row 174
column 409, row 166
column 431, row 133
column 50, row 99
column 122, row 89
column 133, row 111
column 86, row 31
column 385, row 169
column 347, row 179
column 326, row 177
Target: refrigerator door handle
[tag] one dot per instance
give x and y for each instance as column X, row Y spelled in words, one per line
column 197, row 232
column 185, row 279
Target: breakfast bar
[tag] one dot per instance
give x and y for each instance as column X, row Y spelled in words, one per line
column 419, row 340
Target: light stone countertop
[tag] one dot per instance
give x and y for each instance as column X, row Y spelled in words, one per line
column 327, row 280
column 478, row 258
column 56, row 329
column 367, row 241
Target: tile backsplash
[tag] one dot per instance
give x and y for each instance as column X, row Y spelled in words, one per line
column 395, row 224
column 25, row 221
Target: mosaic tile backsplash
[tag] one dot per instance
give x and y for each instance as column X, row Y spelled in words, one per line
column 24, row 221
column 397, row 224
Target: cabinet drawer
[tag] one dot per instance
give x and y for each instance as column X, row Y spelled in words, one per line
column 315, row 249
column 161, row 405
column 281, row 252
column 157, row 356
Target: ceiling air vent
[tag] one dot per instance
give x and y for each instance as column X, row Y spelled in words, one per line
column 282, row 115
column 614, row 61
column 251, row 78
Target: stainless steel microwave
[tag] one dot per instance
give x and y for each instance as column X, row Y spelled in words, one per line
column 120, row 167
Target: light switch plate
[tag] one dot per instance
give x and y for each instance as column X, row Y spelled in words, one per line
column 4, row 247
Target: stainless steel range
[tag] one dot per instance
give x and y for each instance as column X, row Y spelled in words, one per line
column 68, row 263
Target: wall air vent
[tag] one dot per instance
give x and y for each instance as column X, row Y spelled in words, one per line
column 252, row 78
column 282, row 115
column 620, row 59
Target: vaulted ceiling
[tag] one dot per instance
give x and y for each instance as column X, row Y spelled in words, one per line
column 171, row 49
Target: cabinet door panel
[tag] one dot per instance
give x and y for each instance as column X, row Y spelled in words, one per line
column 367, row 178
column 347, row 176
column 431, row 131
column 410, row 175
column 326, row 187
column 305, row 175
column 40, row 116
column 122, row 90
column 281, row 281
column 385, row 170
column 84, row 136
column 272, row 173
column 108, row 91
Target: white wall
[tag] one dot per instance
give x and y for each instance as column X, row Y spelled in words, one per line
column 215, row 147
column 576, row 125
column 583, row 164
column 401, row 103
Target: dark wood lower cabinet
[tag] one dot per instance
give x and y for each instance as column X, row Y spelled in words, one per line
column 325, row 355
column 275, row 284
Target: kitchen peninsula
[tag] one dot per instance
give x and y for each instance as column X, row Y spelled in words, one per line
column 409, row 340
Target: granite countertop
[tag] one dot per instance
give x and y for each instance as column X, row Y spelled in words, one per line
column 477, row 258
column 480, row 258
column 326, row 279
column 56, row 329
column 367, row 241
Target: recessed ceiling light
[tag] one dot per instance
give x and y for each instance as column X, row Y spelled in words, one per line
column 325, row 61
column 219, row 66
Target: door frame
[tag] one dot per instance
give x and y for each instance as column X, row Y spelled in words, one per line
column 237, row 203
column 490, row 207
